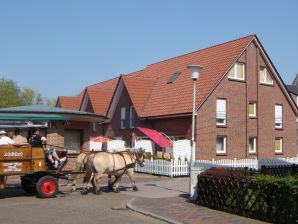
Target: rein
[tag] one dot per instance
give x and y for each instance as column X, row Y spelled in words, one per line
column 127, row 166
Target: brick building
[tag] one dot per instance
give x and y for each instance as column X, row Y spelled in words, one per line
column 293, row 89
column 243, row 107
column 69, row 129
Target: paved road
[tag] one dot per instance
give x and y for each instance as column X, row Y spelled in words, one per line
column 160, row 197
column 16, row 207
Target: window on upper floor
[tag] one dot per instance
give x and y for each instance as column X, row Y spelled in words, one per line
column 265, row 77
column 252, row 145
column 221, row 112
column 252, row 109
column 132, row 117
column 221, row 144
column 278, row 145
column 122, row 118
column 237, row 72
column 278, row 116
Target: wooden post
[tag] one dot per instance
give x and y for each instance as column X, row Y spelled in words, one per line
column 2, row 184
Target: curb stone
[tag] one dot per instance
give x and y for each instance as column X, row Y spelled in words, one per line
column 143, row 212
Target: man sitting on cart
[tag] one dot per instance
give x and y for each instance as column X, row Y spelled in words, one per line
column 51, row 154
column 4, row 140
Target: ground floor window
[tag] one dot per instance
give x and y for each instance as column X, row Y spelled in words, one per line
column 221, row 144
column 278, row 145
column 252, row 146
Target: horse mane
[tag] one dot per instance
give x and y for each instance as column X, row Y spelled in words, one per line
column 137, row 151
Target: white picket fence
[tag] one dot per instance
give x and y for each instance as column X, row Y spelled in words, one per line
column 165, row 168
column 181, row 168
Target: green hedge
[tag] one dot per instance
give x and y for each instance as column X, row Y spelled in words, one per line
column 278, row 196
column 261, row 197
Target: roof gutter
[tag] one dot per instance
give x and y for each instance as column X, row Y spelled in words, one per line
column 166, row 116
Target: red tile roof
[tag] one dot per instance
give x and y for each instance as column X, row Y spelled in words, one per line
column 176, row 98
column 71, row 102
column 100, row 100
column 148, row 88
column 100, row 95
column 139, row 89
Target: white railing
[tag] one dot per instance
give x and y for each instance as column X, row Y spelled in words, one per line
column 206, row 164
column 181, row 168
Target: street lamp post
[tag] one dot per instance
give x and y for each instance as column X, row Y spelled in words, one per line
column 195, row 73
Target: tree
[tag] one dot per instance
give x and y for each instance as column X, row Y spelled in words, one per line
column 9, row 93
column 27, row 96
column 39, row 99
column 50, row 101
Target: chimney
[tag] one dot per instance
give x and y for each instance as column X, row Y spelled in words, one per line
column 295, row 81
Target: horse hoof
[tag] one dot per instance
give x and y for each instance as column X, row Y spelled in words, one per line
column 116, row 191
column 98, row 192
column 84, row 192
column 135, row 188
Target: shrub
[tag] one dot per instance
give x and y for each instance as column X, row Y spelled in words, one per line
column 262, row 196
column 227, row 172
column 278, row 196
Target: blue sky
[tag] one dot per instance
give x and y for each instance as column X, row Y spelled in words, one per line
column 58, row 47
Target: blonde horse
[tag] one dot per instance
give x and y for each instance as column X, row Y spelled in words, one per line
column 80, row 167
column 113, row 164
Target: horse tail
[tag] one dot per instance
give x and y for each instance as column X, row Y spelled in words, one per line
column 89, row 169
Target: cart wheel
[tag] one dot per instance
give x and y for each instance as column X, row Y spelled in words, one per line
column 28, row 186
column 47, row 187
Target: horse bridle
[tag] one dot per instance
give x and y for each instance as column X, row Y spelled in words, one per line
column 138, row 157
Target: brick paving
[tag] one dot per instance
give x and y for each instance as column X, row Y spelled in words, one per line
column 180, row 210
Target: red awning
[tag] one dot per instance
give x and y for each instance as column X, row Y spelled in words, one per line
column 99, row 139
column 157, row 137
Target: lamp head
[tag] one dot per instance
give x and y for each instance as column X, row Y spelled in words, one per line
column 195, row 71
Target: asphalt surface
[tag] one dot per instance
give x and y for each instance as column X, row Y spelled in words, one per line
column 16, row 207
column 159, row 200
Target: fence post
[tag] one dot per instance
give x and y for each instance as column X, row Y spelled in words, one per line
column 194, row 172
column 171, row 168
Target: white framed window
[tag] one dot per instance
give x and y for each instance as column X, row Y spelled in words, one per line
column 265, row 77
column 122, row 117
column 278, row 116
column 221, row 112
column 132, row 117
column 278, row 145
column 237, row 71
column 221, row 144
column 252, row 145
column 252, row 109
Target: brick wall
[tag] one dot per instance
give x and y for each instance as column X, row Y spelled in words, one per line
column 56, row 131
column 179, row 126
column 239, row 126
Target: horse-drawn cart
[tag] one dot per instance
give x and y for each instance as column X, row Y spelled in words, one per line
column 30, row 164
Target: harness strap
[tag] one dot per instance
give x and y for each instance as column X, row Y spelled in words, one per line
column 127, row 166
column 113, row 162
